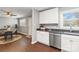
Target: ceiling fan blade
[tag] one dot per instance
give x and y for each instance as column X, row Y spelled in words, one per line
column 8, row 13
column 13, row 15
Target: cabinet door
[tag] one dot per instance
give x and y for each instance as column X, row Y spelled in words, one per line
column 75, row 44
column 42, row 17
column 49, row 16
column 39, row 36
column 70, row 43
column 66, row 42
column 43, row 37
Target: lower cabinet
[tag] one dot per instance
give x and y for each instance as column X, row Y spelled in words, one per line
column 75, row 45
column 70, row 43
column 50, row 39
column 43, row 37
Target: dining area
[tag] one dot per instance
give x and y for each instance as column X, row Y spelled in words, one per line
column 8, row 34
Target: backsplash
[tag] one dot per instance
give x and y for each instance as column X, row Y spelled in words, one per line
column 50, row 26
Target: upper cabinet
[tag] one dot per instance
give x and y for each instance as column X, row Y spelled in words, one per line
column 48, row 16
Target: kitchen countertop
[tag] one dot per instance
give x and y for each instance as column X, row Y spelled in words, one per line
column 61, row 31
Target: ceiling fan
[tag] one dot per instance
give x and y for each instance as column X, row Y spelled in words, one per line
column 8, row 13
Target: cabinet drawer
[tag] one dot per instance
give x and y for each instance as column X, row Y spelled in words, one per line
column 66, row 37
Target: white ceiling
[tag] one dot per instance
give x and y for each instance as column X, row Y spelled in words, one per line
column 43, row 8
column 19, row 11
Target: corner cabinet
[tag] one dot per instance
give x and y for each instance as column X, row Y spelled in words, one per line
column 48, row 16
column 43, row 37
column 70, row 43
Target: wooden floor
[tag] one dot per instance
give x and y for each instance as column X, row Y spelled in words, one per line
column 38, row 47
column 24, row 45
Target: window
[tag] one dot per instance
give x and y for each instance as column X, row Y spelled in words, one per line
column 71, row 19
column 23, row 22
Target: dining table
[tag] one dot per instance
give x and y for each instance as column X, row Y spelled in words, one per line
column 5, row 33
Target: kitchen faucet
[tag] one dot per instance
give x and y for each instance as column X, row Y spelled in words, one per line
column 70, row 27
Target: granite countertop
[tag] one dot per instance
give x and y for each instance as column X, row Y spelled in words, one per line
column 61, row 31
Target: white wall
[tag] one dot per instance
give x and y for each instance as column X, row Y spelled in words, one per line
column 51, row 26
column 7, row 21
column 23, row 29
column 35, row 25
column 66, row 8
column 29, row 25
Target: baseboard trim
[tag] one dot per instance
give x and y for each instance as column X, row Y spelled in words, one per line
column 43, row 43
column 22, row 33
column 55, row 48
column 34, row 42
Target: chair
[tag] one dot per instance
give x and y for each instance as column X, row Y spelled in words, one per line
column 8, row 34
column 2, row 32
column 14, row 30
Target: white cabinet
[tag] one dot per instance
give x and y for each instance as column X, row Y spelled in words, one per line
column 75, row 44
column 43, row 37
column 65, row 43
column 48, row 16
column 70, row 43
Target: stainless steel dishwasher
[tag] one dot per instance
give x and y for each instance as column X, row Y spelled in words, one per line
column 51, row 39
column 55, row 40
